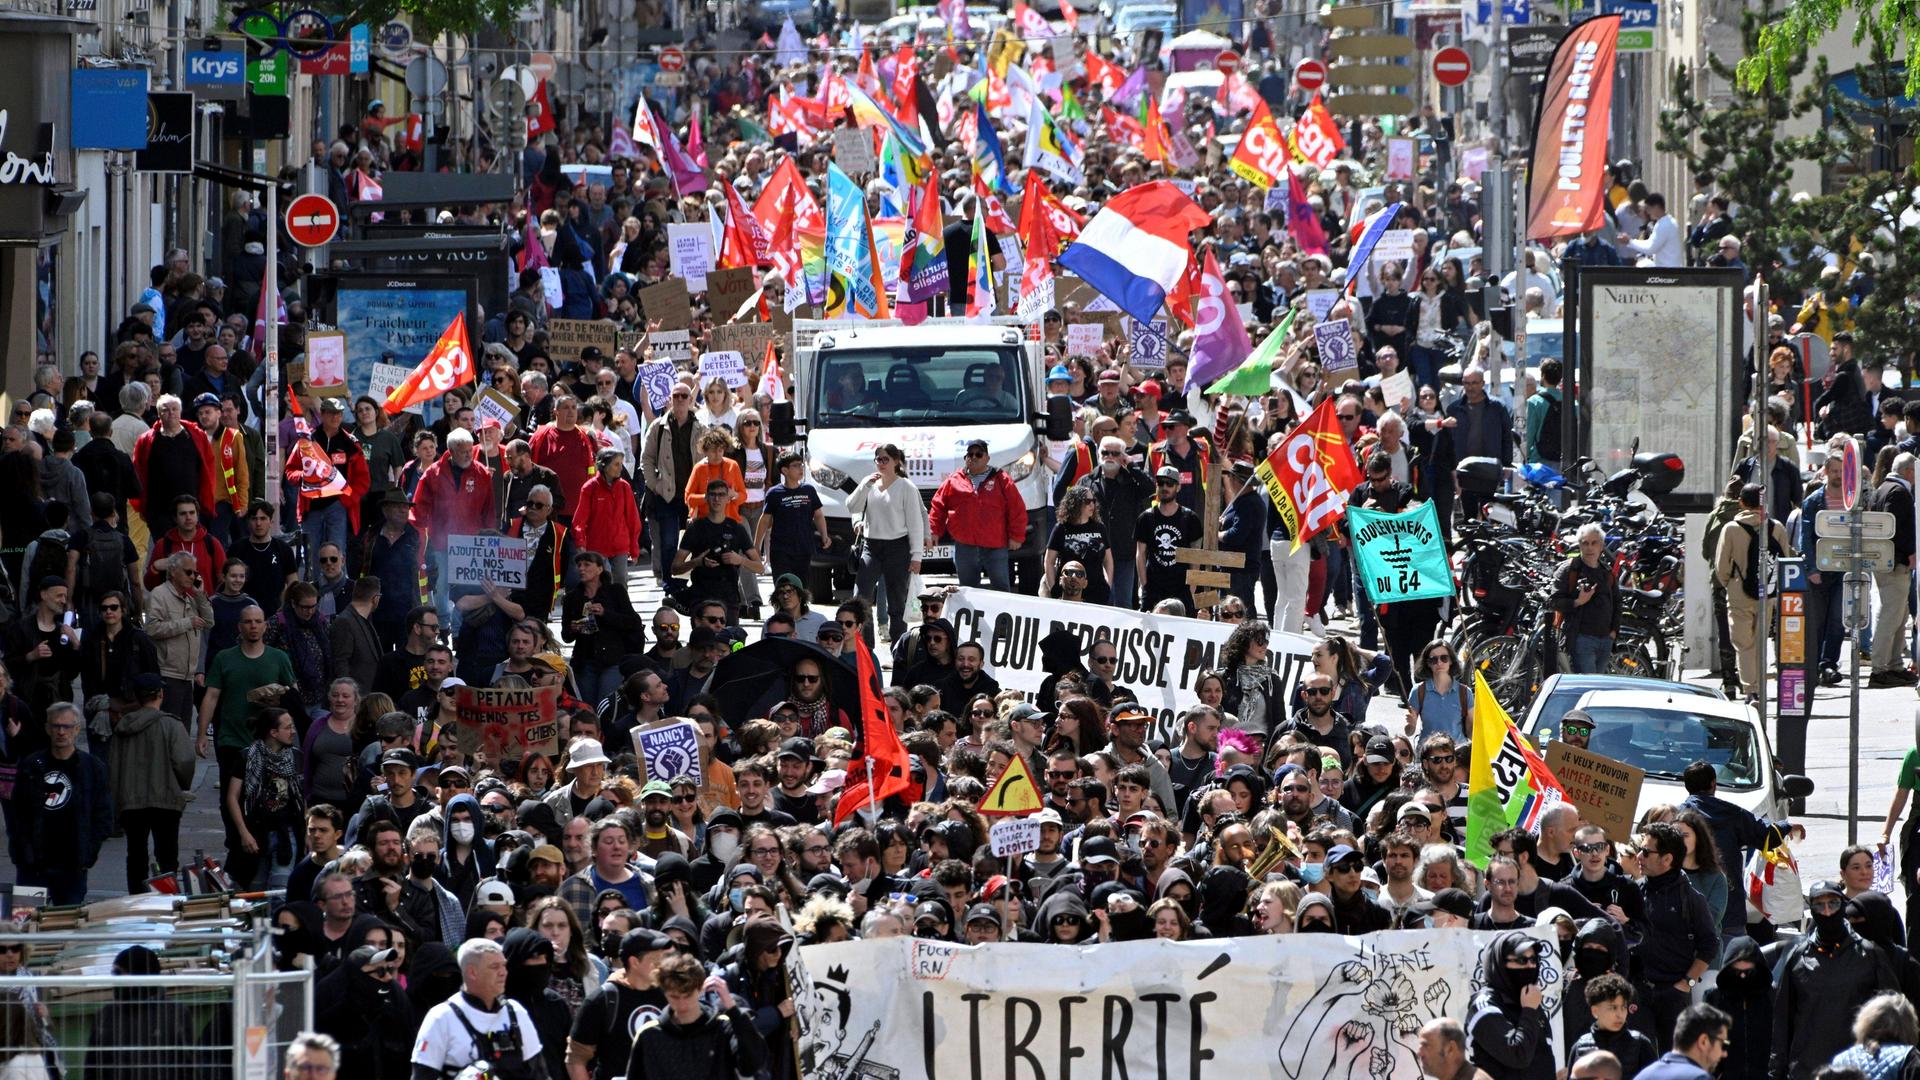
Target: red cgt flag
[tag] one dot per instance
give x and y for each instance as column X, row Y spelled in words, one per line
column 450, row 364
column 1309, row 475
column 886, row 761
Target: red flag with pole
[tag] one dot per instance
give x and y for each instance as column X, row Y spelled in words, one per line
column 886, row 769
column 450, row 364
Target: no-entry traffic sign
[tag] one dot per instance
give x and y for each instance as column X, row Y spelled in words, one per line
column 312, row 220
column 1310, row 74
column 1228, row 60
column 672, row 59
column 1452, row 66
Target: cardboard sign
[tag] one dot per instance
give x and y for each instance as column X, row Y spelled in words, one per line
column 1335, row 343
column 477, row 560
column 1014, row 836
column 853, row 151
column 667, row 303
column 747, row 339
column 728, row 365
column 1396, row 388
column 1321, row 301
column 657, row 377
column 387, row 376
column 671, row 344
column 1606, row 791
column 728, row 289
column 670, row 751
column 567, row 337
column 507, row 724
column 1395, row 245
column 690, row 247
column 327, row 363
column 494, row 404
column 1085, row 338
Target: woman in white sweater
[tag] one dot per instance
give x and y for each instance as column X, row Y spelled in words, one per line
column 892, row 522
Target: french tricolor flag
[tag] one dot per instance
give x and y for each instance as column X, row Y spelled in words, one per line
column 1135, row 249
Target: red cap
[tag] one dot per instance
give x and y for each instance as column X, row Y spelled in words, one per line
column 1148, row 389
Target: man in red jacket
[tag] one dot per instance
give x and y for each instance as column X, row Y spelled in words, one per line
column 455, row 498
column 172, row 458
column 980, row 510
column 567, row 449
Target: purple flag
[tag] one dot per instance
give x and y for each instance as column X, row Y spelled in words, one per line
column 1220, row 340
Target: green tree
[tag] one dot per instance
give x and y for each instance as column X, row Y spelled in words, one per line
column 1875, row 211
column 1804, row 23
column 1739, row 144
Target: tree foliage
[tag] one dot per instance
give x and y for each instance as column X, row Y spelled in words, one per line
column 429, row 18
column 1805, row 22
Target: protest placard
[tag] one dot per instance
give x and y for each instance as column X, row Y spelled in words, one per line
column 728, row 289
column 1014, row 836
column 668, row 304
column 1399, row 556
column 493, row 403
column 1161, row 656
column 690, row 251
column 1307, row 1005
column 1147, row 343
column 670, row 750
column 1321, row 301
column 1334, row 341
column 477, row 560
column 747, row 339
column 1276, row 198
column 507, row 724
column 670, row 344
column 728, row 365
column 1395, row 245
column 1085, row 337
column 657, row 377
column 567, row 337
column 1401, row 158
column 1607, row 792
column 383, row 380
column 853, row 151
column 551, row 289
column 1396, row 388
column 327, row 363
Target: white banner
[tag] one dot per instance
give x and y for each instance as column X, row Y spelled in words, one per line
column 477, row 560
column 1161, row 656
column 1284, row 1007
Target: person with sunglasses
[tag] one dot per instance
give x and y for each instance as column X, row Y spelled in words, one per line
column 1604, row 886
column 1159, row 533
column 1441, row 700
column 1253, row 693
column 979, row 510
column 1121, row 491
column 1683, row 940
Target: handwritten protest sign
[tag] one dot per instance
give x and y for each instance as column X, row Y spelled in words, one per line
column 566, row 338
column 506, row 724
column 1014, row 836
column 657, row 377
column 853, row 151
column 670, row 751
column 728, row 365
column 1085, row 337
column 668, row 304
column 1396, row 388
column 1400, row 556
column 1400, row 158
column 747, row 339
column 1607, row 792
column 477, row 560
column 387, row 376
column 690, row 247
column 727, row 290
column 1321, row 301
column 1334, row 340
column 494, row 404
column 671, row 344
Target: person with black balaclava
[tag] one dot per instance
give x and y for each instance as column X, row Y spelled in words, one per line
column 1314, row 915
column 1824, row 979
column 140, row 1031
column 529, row 972
column 1223, row 902
column 1872, row 916
column 759, row 980
column 1059, row 656
column 433, row 976
column 1744, row 991
column 1599, row 948
column 361, row 1007
column 1506, row 1026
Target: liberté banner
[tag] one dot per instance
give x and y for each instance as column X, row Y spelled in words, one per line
column 1284, row 1007
column 1567, row 171
column 1161, row 656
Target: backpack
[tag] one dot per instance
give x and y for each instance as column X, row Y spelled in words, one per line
column 1420, row 697
column 1549, row 431
column 103, row 569
column 49, row 558
column 1750, row 574
column 500, row 1054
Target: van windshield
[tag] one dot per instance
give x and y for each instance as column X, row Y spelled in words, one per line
column 978, row 384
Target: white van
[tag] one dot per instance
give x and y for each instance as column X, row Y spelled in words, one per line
column 928, row 389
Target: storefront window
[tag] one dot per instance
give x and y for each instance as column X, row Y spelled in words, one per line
column 45, row 284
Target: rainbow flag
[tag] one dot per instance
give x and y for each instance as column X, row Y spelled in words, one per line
column 1508, row 784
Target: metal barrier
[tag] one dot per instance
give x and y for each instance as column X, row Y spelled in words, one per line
column 230, row 1017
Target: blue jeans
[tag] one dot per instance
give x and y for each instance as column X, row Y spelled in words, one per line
column 1424, row 365
column 1592, row 654
column 667, row 519
column 1828, row 600
column 1339, row 582
column 969, row 562
column 328, row 526
column 596, row 683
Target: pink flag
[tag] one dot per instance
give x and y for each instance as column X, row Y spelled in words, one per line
column 1301, row 222
column 621, row 145
column 1219, row 337
column 533, row 253
column 687, row 175
column 696, row 145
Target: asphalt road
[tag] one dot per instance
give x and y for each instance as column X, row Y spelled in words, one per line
column 1887, row 730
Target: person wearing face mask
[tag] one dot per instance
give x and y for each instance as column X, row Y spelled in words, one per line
column 1744, row 991
column 1506, row 1026
column 1223, row 902
column 529, row 971
column 1824, row 979
column 720, row 844
column 1598, row 949
column 1450, row 909
column 357, row 1003
column 465, row 857
column 433, row 976
column 1872, row 916
column 1315, row 915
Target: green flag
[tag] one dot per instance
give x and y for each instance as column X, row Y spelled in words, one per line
column 1399, row 556
column 1254, row 376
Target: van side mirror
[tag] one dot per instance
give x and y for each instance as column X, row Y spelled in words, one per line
column 1059, row 418
column 1795, row 786
column 780, row 427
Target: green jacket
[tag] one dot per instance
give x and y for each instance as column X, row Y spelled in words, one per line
column 1724, row 509
column 151, row 762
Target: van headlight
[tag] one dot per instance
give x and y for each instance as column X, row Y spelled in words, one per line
column 828, row 476
column 1021, row 467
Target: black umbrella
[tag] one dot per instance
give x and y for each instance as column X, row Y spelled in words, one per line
column 752, row 679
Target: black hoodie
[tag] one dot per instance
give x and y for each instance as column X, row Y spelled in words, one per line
column 140, row 1032
column 365, row 1015
column 1823, row 982
column 1599, row 937
column 722, row 1046
column 1506, row 1040
column 1874, row 918
column 1223, row 902
column 1063, row 902
column 433, row 976
column 528, row 984
column 1748, row 999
